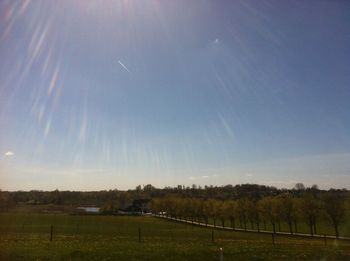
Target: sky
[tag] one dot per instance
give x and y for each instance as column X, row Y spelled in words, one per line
column 109, row 94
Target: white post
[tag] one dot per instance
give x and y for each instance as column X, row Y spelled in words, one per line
column 221, row 253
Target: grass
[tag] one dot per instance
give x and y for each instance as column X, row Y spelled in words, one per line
column 323, row 226
column 27, row 237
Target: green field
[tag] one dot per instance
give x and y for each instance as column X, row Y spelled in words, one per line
column 27, row 236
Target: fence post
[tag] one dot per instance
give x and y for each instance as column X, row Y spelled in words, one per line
column 221, row 253
column 212, row 235
column 51, row 232
column 273, row 238
column 325, row 240
column 139, row 234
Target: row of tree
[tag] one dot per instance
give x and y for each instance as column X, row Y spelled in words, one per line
column 100, row 198
column 272, row 210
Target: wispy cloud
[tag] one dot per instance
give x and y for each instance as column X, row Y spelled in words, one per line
column 122, row 65
column 9, row 153
column 201, row 177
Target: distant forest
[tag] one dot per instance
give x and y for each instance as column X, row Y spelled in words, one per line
column 122, row 199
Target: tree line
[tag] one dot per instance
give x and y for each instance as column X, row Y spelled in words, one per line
column 258, row 212
column 148, row 191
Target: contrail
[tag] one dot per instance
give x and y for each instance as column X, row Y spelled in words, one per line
column 122, row 65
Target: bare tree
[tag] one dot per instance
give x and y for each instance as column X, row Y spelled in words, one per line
column 299, row 187
column 334, row 205
column 297, row 212
column 269, row 209
column 287, row 213
column 242, row 211
column 253, row 213
column 310, row 209
column 211, row 209
column 231, row 208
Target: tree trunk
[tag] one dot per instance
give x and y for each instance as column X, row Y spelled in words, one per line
column 310, row 224
column 295, row 226
column 258, row 225
column 336, row 230
column 290, row 227
column 314, row 221
column 232, row 220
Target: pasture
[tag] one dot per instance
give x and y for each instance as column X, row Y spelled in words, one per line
column 26, row 236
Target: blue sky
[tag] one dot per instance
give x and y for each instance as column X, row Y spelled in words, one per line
column 112, row 94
